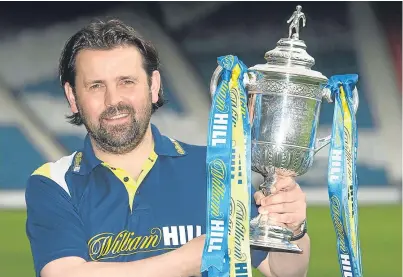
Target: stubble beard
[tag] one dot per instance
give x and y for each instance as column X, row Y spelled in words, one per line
column 119, row 139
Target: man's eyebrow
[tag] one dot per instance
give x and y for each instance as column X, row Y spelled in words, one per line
column 126, row 77
column 88, row 82
column 119, row 78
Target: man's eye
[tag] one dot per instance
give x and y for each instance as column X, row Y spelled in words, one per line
column 128, row 82
column 95, row 86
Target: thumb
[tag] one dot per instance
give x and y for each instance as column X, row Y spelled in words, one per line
column 258, row 197
column 283, row 183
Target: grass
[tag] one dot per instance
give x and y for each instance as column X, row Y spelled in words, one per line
column 380, row 232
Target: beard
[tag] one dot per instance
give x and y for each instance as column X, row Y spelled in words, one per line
column 119, row 138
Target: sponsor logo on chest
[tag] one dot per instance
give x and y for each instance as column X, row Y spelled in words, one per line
column 112, row 245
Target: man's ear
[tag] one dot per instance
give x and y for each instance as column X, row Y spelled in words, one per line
column 68, row 90
column 155, row 85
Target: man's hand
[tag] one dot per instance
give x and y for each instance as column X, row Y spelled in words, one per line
column 285, row 205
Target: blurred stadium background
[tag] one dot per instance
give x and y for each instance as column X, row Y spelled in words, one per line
column 343, row 37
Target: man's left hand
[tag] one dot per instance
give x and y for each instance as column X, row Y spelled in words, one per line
column 285, row 205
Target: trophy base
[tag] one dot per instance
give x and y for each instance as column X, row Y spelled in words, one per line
column 276, row 244
column 271, row 237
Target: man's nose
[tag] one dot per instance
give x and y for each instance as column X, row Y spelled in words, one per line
column 112, row 97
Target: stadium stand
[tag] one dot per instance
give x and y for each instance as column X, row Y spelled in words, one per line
column 189, row 48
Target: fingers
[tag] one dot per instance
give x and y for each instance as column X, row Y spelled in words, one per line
column 286, row 205
column 288, row 218
column 284, row 190
column 283, row 183
column 282, row 197
column 281, row 208
column 258, row 197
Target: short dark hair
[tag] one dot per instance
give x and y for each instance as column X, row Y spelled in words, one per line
column 106, row 35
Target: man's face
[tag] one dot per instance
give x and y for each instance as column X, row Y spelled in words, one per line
column 113, row 97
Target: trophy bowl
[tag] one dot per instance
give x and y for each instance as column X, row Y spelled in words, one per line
column 284, row 102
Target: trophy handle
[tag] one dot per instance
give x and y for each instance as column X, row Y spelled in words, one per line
column 214, row 79
column 249, row 78
column 322, row 142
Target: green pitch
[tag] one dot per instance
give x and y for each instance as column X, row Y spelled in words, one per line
column 380, row 230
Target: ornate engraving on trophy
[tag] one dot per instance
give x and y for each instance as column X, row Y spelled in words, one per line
column 286, row 87
column 287, row 160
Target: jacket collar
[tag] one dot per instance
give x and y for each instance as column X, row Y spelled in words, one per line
column 85, row 161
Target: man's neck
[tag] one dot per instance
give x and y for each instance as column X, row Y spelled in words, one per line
column 131, row 162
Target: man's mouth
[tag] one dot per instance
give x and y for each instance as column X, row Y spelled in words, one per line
column 118, row 116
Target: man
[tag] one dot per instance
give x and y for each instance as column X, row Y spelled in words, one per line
column 132, row 202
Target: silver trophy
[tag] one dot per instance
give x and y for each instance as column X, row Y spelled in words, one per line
column 284, row 101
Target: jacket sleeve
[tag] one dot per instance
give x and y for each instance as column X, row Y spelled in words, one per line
column 53, row 225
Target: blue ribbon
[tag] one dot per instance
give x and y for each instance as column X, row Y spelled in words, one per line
column 215, row 258
column 343, row 198
column 219, row 146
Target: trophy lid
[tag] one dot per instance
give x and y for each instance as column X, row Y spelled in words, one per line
column 290, row 55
